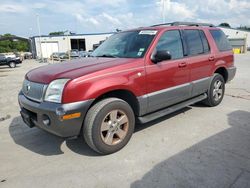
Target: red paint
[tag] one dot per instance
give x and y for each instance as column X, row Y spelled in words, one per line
column 92, row 77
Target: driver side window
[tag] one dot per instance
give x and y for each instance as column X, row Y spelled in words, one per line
column 171, row 41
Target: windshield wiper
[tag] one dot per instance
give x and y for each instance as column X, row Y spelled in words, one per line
column 106, row 55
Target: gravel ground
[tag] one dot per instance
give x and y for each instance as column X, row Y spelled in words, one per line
column 195, row 147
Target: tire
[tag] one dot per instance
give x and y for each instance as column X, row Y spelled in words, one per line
column 216, row 91
column 12, row 64
column 109, row 125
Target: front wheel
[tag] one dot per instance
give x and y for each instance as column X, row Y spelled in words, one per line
column 216, row 91
column 109, row 125
column 12, row 64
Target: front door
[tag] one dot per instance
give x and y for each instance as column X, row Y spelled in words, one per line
column 168, row 81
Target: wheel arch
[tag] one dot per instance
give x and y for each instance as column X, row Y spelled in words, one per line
column 11, row 61
column 223, row 72
column 123, row 94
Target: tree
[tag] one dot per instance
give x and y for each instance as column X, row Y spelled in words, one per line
column 225, row 25
column 57, row 33
column 246, row 28
column 9, row 45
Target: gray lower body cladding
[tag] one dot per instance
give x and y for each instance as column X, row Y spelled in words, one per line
column 164, row 98
column 231, row 73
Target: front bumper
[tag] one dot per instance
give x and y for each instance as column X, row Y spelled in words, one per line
column 231, row 73
column 34, row 113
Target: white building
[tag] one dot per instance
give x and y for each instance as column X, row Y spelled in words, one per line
column 237, row 36
column 46, row 45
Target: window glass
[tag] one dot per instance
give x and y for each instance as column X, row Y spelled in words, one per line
column 128, row 44
column 221, row 40
column 206, row 47
column 194, row 42
column 171, row 41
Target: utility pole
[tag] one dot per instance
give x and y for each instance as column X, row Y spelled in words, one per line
column 68, row 42
column 164, row 6
column 39, row 32
column 163, row 11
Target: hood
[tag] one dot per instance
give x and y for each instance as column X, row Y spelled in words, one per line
column 72, row 69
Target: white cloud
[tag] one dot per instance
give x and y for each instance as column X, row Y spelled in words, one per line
column 103, row 16
column 86, row 19
column 39, row 5
column 93, row 21
column 109, row 3
column 239, row 6
column 111, row 19
column 235, row 12
column 12, row 8
column 172, row 10
column 79, row 17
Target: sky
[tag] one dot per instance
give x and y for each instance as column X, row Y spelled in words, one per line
column 19, row 17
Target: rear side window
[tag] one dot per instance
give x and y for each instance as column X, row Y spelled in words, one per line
column 221, row 40
column 171, row 41
column 194, row 42
column 206, row 47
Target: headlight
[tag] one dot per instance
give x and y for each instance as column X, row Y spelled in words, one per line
column 54, row 91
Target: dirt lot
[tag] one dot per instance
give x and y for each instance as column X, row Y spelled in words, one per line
column 195, row 147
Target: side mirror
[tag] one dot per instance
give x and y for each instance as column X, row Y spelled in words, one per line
column 158, row 56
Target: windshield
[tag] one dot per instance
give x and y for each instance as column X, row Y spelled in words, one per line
column 130, row 44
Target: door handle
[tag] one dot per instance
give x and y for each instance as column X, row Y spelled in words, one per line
column 211, row 58
column 182, row 64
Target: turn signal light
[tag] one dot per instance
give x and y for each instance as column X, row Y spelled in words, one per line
column 71, row 116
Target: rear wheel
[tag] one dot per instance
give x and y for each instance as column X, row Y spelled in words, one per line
column 12, row 64
column 109, row 125
column 216, row 91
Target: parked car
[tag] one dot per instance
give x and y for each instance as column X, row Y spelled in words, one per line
column 56, row 55
column 10, row 60
column 63, row 56
column 84, row 54
column 134, row 76
column 27, row 55
column 73, row 55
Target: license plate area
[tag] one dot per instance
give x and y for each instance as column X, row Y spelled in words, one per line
column 28, row 117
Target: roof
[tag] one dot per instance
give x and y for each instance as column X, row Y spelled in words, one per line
column 184, row 24
column 175, row 25
column 72, row 35
column 235, row 29
column 13, row 38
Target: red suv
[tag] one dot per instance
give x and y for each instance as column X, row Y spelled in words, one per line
column 135, row 76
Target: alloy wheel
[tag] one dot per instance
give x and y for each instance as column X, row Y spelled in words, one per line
column 114, row 127
column 218, row 90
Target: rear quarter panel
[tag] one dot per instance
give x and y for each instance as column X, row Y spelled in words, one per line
column 222, row 58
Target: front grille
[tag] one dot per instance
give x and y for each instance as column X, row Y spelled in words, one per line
column 33, row 90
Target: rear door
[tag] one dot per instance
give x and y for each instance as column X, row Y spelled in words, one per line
column 200, row 60
column 167, row 81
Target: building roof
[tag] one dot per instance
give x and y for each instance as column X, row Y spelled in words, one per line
column 72, row 35
column 235, row 29
column 13, row 38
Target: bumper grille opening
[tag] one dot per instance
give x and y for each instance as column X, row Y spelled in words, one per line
column 32, row 115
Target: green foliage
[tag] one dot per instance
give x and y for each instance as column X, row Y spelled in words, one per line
column 8, row 35
column 57, row 33
column 246, row 28
column 13, row 46
column 225, row 25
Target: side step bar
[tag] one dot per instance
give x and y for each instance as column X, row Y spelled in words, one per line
column 171, row 109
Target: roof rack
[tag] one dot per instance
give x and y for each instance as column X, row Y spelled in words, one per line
column 185, row 24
